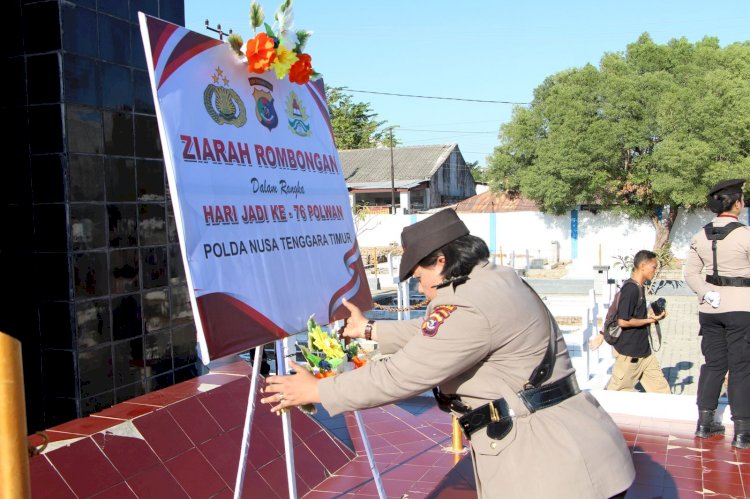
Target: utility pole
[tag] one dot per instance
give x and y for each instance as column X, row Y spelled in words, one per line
column 218, row 30
column 393, row 176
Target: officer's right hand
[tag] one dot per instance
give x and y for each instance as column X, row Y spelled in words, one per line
column 354, row 326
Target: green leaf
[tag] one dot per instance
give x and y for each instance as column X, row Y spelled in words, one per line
column 302, row 37
column 269, row 30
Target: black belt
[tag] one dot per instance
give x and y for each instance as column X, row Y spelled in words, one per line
column 720, row 280
column 497, row 416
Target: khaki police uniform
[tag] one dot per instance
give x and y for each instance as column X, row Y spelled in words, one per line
column 482, row 344
column 725, row 330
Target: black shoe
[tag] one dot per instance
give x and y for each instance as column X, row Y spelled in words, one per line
column 741, row 441
column 741, row 434
column 709, row 430
column 707, row 427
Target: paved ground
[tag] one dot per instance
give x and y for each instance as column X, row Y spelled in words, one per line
column 680, row 354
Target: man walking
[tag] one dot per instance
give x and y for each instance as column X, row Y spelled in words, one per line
column 723, row 248
column 634, row 360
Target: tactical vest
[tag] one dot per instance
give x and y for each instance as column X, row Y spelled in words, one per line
column 714, row 234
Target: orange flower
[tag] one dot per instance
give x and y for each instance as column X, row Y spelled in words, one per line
column 260, row 53
column 301, row 70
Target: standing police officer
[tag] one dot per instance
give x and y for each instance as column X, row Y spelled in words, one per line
column 723, row 248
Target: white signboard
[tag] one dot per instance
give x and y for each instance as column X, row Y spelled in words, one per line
column 260, row 200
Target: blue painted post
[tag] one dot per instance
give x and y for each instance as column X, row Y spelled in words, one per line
column 574, row 234
column 492, row 234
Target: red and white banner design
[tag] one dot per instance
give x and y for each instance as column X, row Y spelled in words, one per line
column 260, row 200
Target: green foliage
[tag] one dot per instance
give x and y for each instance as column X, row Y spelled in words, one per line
column 302, row 37
column 650, row 128
column 354, row 124
column 479, row 173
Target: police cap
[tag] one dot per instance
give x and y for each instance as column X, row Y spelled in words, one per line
column 426, row 236
column 733, row 186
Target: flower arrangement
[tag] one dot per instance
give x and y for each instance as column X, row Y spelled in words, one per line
column 278, row 48
column 325, row 354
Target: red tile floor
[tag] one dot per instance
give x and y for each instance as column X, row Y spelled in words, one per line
column 184, row 441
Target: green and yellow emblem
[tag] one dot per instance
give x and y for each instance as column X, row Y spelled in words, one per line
column 223, row 104
column 298, row 118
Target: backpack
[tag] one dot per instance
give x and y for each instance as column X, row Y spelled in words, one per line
column 611, row 329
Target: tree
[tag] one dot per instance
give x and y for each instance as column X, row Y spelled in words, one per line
column 645, row 133
column 354, row 124
column 477, row 172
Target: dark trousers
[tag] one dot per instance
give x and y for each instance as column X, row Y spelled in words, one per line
column 726, row 346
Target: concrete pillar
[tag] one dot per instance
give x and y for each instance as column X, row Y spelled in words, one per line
column 404, row 199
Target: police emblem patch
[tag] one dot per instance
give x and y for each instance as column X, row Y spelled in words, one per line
column 298, row 119
column 436, row 318
column 222, row 103
column 264, row 110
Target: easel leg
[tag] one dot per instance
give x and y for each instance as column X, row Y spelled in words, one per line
column 370, row 456
column 248, row 423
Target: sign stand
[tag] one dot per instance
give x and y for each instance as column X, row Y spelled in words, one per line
column 370, row 456
column 248, row 423
column 286, row 421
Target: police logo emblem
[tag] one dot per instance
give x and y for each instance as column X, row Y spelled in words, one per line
column 222, row 103
column 298, row 119
column 436, row 318
column 264, row 110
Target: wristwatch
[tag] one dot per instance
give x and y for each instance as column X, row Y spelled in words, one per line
column 368, row 330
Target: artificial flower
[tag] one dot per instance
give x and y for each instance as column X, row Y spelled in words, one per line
column 261, row 53
column 284, row 23
column 283, row 61
column 301, row 70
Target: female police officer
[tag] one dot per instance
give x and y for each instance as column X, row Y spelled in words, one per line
column 489, row 342
column 723, row 248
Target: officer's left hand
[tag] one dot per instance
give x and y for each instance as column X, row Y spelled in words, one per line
column 291, row 391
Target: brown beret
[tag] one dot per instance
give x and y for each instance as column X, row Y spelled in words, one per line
column 426, row 236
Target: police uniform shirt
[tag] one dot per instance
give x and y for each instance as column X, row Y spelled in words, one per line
column 633, row 341
column 733, row 260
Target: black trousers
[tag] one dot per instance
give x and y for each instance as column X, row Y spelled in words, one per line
column 726, row 346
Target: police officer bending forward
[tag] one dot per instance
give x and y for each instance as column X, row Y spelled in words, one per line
column 501, row 365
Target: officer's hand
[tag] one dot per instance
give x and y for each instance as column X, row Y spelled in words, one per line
column 713, row 298
column 284, row 392
column 354, row 326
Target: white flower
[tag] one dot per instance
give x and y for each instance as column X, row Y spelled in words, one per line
column 284, row 27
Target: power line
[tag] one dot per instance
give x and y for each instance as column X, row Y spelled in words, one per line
column 433, row 97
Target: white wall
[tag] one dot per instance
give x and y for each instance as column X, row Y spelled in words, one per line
column 534, row 232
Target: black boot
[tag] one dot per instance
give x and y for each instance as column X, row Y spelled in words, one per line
column 741, row 433
column 706, row 425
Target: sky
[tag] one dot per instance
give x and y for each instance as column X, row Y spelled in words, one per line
column 492, row 50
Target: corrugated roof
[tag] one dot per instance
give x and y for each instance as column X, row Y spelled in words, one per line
column 398, row 184
column 494, row 202
column 414, row 163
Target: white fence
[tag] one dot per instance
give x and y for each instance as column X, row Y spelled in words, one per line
column 599, row 238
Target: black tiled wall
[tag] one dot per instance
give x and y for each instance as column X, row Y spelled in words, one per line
column 97, row 290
